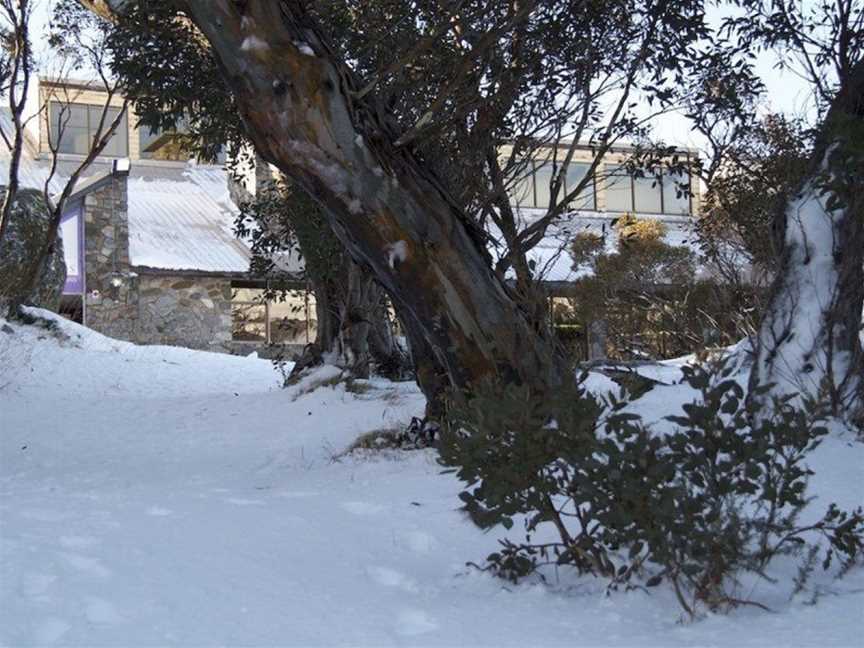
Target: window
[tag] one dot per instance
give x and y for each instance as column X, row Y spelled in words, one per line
column 77, row 124
column 288, row 321
column 248, row 316
column 648, row 194
column 534, row 190
column 587, row 198
column 542, row 180
column 625, row 193
column 71, row 227
column 523, row 190
column 619, row 189
column 159, row 145
column 675, row 200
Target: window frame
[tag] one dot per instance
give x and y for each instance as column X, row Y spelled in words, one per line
column 54, row 110
column 656, row 181
column 660, row 179
column 266, row 303
column 592, row 186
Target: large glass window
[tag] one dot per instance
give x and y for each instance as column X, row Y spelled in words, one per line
column 648, row 194
column 159, row 144
column 576, row 172
column 76, row 126
column 523, row 190
column 648, row 197
column 287, row 321
column 542, row 180
column 619, row 189
column 248, row 315
column 675, row 199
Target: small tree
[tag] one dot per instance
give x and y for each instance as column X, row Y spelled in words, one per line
column 597, row 490
column 646, row 299
column 77, row 45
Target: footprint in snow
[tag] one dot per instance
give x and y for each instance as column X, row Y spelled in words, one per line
column 78, row 542
column 44, row 515
column 35, row 584
column 362, row 508
column 241, row 501
column 413, row 622
column 391, row 578
column 296, row 494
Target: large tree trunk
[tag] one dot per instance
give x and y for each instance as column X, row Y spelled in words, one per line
column 386, row 208
column 809, row 340
column 353, row 327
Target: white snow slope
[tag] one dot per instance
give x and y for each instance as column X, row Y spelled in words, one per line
column 158, row 496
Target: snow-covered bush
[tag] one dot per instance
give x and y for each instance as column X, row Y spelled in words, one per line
column 696, row 506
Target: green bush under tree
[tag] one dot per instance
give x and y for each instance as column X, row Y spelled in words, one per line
column 698, row 506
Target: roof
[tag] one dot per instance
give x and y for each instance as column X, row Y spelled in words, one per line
column 183, row 219
column 551, row 256
column 180, row 215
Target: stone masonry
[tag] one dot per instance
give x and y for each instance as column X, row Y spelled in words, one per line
column 145, row 306
column 111, row 299
column 194, row 312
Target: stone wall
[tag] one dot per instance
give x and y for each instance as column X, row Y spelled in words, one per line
column 111, row 299
column 193, row 312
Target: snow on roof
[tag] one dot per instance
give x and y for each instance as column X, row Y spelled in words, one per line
column 551, row 255
column 180, row 216
column 182, row 219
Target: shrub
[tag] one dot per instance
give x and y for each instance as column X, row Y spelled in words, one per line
column 640, row 229
column 647, row 295
column 715, row 497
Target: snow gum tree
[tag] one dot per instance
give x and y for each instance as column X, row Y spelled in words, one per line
column 76, row 43
column 302, row 109
column 366, row 140
column 171, row 76
column 354, row 329
column 810, row 335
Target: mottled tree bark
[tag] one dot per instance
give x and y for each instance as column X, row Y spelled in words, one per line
column 298, row 104
column 353, row 327
column 809, row 339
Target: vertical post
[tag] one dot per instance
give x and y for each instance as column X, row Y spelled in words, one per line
column 597, row 333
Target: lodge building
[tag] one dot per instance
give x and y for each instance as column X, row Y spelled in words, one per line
column 149, row 239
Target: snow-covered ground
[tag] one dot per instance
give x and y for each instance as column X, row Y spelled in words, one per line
column 158, row 496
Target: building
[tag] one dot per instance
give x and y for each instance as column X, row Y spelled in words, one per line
column 148, row 236
column 151, row 253
column 612, row 192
